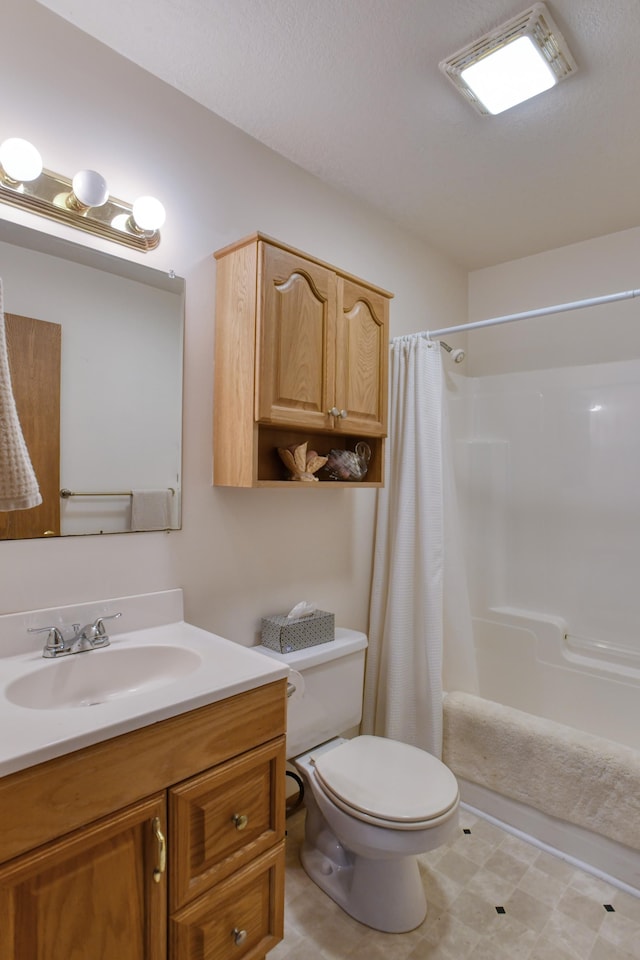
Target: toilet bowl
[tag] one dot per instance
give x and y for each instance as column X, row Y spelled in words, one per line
column 373, row 804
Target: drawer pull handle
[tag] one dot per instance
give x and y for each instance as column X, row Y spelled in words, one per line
column 162, row 850
column 240, row 820
column 239, row 936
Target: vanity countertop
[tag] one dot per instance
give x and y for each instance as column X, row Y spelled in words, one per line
column 187, row 668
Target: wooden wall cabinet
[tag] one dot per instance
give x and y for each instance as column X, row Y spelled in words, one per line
column 301, row 354
column 167, row 842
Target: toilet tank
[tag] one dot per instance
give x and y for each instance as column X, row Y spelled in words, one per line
column 329, row 680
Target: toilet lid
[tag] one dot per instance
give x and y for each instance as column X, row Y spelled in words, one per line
column 387, row 780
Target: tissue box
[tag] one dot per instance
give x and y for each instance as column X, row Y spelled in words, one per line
column 285, row 635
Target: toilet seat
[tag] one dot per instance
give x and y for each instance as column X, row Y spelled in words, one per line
column 387, row 783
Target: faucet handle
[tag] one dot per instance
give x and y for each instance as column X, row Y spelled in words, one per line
column 96, row 633
column 55, row 641
column 99, row 623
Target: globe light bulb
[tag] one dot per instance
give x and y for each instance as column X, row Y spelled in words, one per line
column 148, row 214
column 90, row 188
column 20, row 160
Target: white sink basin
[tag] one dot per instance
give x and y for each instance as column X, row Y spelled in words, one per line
column 98, row 676
column 148, row 673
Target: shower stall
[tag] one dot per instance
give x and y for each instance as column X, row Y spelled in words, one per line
column 547, row 465
column 548, row 480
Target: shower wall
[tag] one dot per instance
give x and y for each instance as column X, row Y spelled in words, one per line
column 548, row 474
column 549, row 486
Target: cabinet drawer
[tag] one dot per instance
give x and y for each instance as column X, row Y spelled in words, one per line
column 222, row 819
column 240, row 918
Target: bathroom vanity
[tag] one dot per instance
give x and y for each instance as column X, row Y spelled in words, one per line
column 164, row 842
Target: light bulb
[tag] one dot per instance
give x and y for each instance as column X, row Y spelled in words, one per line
column 20, row 160
column 148, row 214
column 90, row 188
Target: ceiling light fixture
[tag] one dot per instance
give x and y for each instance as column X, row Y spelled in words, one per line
column 83, row 202
column 511, row 64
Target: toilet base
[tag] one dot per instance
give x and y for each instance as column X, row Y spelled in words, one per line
column 361, row 886
column 370, row 870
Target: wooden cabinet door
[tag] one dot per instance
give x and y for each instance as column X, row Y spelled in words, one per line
column 239, row 919
column 295, row 366
column 362, row 358
column 89, row 895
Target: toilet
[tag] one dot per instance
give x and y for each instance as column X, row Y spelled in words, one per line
column 373, row 804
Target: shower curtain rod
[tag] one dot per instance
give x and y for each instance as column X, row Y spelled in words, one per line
column 541, row 312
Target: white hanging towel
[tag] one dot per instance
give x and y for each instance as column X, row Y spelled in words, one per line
column 151, row 509
column 18, row 484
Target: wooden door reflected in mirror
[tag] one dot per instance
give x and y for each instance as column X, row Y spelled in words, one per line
column 34, row 349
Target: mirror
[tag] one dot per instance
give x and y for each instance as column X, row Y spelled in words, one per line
column 95, row 346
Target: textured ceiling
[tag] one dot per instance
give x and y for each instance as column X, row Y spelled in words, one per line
column 350, row 90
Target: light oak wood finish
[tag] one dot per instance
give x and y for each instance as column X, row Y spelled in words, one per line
column 85, row 821
column 242, row 918
column 297, row 320
column 362, row 352
column 51, row 901
column 296, row 338
column 225, row 818
column 234, row 398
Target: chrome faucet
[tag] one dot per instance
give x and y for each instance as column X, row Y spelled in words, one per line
column 60, row 643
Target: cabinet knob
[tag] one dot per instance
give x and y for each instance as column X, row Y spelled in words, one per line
column 240, row 820
column 341, row 414
column 239, row 936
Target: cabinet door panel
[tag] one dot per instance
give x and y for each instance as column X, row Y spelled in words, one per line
column 362, row 359
column 296, row 321
column 91, row 894
column 242, row 917
column 225, row 817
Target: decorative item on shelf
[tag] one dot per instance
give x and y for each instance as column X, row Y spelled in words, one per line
column 83, row 202
column 300, row 463
column 349, row 464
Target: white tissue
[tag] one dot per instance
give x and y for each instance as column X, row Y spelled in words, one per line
column 302, row 609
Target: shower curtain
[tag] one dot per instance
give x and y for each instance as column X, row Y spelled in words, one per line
column 419, row 590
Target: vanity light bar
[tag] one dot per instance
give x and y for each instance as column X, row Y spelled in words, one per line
column 83, row 203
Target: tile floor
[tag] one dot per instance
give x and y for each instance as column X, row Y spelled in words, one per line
column 491, row 897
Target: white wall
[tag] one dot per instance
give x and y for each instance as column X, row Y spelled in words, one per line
column 549, row 463
column 593, row 268
column 241, row 553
